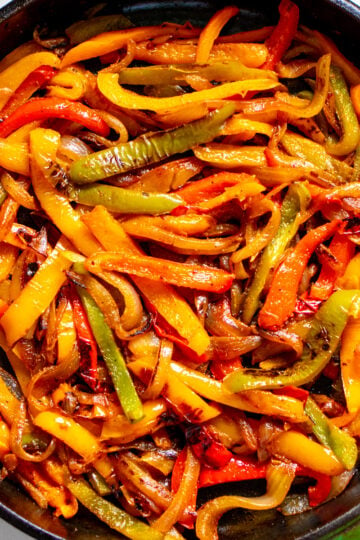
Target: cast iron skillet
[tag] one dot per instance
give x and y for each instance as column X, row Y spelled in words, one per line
column 341, row 20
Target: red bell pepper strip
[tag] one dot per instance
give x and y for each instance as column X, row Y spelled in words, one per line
column 53, row 107
column 177, row 473
column 292, row 391
column 220, row 368
column 194, row 276
column 211, row 186
column 86, row 342
column 34, row 81
column 3, row 307
column 281, row 299
column 320, row 492
column 206, row 448
column 283, row 33
column 341, row 250
column 307, row 306
column 236, row 470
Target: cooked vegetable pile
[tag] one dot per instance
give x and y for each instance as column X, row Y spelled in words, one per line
column 180, row 270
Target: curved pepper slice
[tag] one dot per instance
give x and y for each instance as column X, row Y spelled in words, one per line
column 83, row 30
column 211, row 32
column 283, row 34
column 321, row 343
column 148, row 148
column 51, row 107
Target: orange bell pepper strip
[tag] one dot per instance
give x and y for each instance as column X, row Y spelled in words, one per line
column 194, row 276
column 350, row 364
column 66, row 334
column 16, row 73
column 4, row 439
column 211, row 186
column 8, row 213
column 118, row 39
column 212, row 31
column 229, row 156
column 283, row 34
column 110, row 88
column 341, row 251
column 249, row 54
column 355, row 98
column 281, row 299
column 37, row 294
column 15, row 157
column 171, row 306
column 53, row 107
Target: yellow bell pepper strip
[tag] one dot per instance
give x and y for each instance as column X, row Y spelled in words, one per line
column 298, row 447
column 10, row 397
column 19, row 52
column 122, row 200
column 69, row 432
column 228, row 156
column 194, row 276
column 148, row 148
column 113, row 358
column 37, row 294
column 186, row 403
column 294, row 204
column 321, row 343
column 279, row 477
column 171, row 306
column 4, row 439
column 283, row 33
column 355, row 98
column 350, row 363
column 44, row 144
column 111, row 41
column 112, row 515
column 211, row 32
column 178, row 73
column 15, row 74
column 15, row 157
column 119, row 430
column 53, row 107
column 69, row 83
column 347, row 116
column 83, row 30
column 8, row 256
column 250, row 54
column 66, row 334
column 110, row 88
column 281, row 298
column 341, row 443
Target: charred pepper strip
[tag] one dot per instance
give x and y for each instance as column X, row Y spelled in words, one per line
column 114, row 360
column 347, row 116
column 283, row 34
column 341, row 443
column 321, row 343
column 148, row 148
column 121, row 200
column 83, row 30
column 296, row 200
column 52, row 107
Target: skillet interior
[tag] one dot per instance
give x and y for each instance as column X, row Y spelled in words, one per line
column 342, row 22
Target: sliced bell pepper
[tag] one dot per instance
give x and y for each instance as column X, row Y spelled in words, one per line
column 281, row 299
column 148, row 148
column 350, row 364
column 203, row 278
column 355, row 98
column 121, row 200
column 211, row 32
column 15, row 157
column 230, row 156
column 341, row 252
column 321, row 342
column 210, row 451
column 283, row 33
column 176, row 475
column 84, row 30
column 110, row 88
column 52, row 107
column 113, row 358
column 209, row 187
column 341, row 443
column 347, row 116
column 295, row 202
column 236, row 470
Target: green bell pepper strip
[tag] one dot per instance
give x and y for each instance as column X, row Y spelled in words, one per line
column 321, row 343
column 295, row 202
column 177, row 73
column 113, row 358
column 148, row 148
column 347, row 116
column 114, row 517
column 123, row 200
column 341, row 443
column 98, row 483
column 84, row 30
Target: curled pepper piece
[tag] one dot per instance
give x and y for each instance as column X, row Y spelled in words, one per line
column 148, row 148
column 121, row 200
column 84, row 30
column 183, row 275
column 283, row 33
column 321, row 342
column 110, row 88
column 51, row 107
column 341, row 443
column 113, row 358
column 281, row 299
column 211, row 32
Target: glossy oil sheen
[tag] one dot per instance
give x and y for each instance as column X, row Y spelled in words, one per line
column 336, row 519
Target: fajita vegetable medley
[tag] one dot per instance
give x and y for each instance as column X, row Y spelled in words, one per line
column 180, row 270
